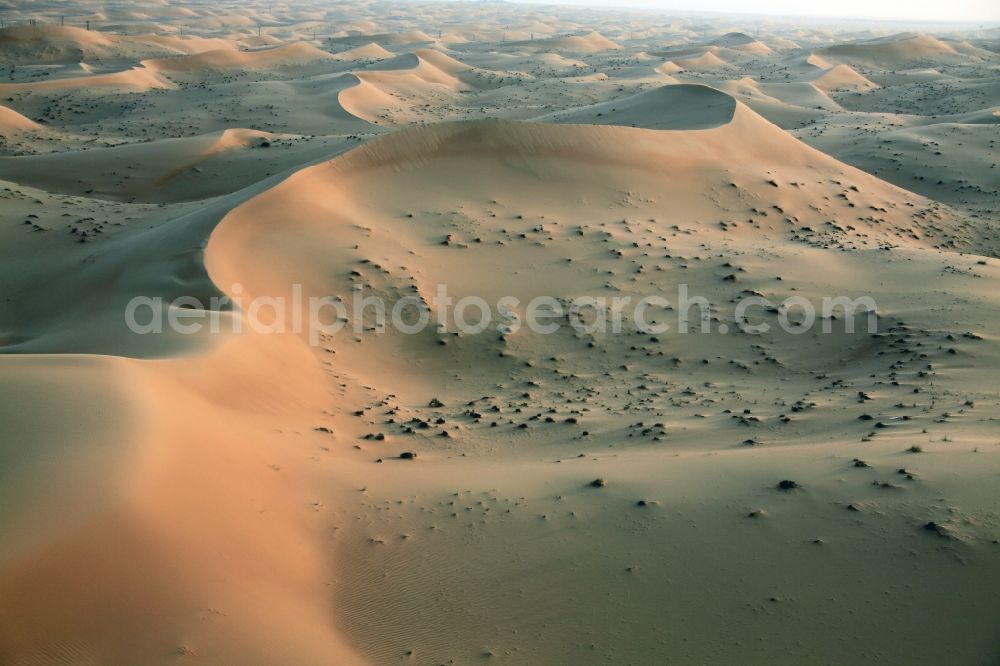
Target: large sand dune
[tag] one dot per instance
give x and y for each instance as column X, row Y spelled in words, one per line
column 895, row 51
column 256, row 492
column 842, row 77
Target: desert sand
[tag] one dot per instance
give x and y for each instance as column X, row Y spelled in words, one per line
column 446, row 497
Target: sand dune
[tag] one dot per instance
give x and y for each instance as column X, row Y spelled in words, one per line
column 706, row 62
column 391, row 92
column 449, row 150
column 669, row 67
column 672, row 107
column 431, row 66
column 136, row 79
column 788, row 105
column 176, row 43
column 960, row 153
column 983, row 117
column 818, row 61
column 356, row 209
column 254, row 492
column 11, row 121
column 782, row 42
column 67, row 44
column 978, row 52
column 561, row 63
column 724, row 134
column 287, row 55
column 743, row 42
column 593, row 42
column 370, row 51
column 257, row 41
column 442, row 61
column 842, row 77
column 51, row 44
column 804, row 94
column 120, row 537
column 144, row 171
column 900, row 50
column 385, row 39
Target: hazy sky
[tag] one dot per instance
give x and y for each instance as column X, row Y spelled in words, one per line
column 916, row 10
